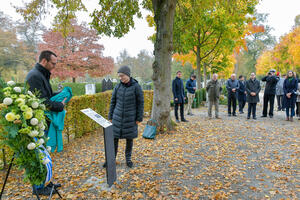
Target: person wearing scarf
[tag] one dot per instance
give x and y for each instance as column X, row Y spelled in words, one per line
column 290, row 87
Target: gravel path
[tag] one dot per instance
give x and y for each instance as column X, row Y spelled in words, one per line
column 228, row 158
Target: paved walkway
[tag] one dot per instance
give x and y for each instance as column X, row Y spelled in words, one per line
column 230, row 158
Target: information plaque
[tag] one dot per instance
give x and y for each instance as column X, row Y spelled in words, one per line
column 111, row 173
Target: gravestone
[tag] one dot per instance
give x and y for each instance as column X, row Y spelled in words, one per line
column 90, row 89
column 107, row 84
column 111, row 174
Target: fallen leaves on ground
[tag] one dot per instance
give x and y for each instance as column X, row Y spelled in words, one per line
column 231, row 158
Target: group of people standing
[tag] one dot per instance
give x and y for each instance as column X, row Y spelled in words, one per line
column 237, row 90
column 286, row 88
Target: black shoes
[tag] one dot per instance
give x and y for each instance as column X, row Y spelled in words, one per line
column 271, row 116
column 254, row 118
column 184, row 120
column 129, row 164
column 234, row 115
column 263, row 116
column 248, row 117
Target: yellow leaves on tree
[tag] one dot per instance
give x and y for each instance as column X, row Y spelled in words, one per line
column 186, row 58
column 285, row 55
column 251, row 29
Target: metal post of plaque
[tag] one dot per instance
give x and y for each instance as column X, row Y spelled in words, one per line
column 111, row 173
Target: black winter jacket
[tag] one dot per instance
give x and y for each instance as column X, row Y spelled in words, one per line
column 178, row 90
column 253, row 86
column 271, row 82
column 126, row 107
column 38, row 79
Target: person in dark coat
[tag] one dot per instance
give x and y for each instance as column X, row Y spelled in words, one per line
column 126, row 111
column 191, row 89
column 241, row 94
column 38, row 80
column 290, row 87
column 270, row 91
column 252, row 88
column 232, row 86
column 178, row 93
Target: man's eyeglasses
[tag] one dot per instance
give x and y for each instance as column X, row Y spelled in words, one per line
column 53, row 63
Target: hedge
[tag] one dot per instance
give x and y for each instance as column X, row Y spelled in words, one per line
column 78, row 124
column 78, row 89
column 200, row 96
column 223, row 97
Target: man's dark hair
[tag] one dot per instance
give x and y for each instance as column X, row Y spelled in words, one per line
column 193, row 76
column 47, row 55
column 178, row 72
column 241, row 76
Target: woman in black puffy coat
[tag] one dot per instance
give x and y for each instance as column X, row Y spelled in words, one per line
column 126, row 111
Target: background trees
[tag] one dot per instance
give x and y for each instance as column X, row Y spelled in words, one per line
column 210, row 30
column 79, row 52
column 141, row 65
column 15, row 56
column 257, row 40
column 284, row 56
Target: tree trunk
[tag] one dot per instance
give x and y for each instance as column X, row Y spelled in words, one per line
column 198, row 68
column 204, row 74
column 236, row 65
column 164, row 12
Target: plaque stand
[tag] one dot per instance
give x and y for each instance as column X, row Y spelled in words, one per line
column 111, row 174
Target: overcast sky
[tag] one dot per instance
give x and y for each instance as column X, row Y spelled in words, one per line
column 281, row 17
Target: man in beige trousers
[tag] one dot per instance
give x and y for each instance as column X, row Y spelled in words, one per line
column 213, row 89
column 191, row 89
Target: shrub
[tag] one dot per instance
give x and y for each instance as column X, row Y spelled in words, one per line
column 76, row 123
column 223, row 97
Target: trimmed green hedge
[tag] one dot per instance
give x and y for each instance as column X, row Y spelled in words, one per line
column 76, row 123
column 200, row 96
column 78, row 89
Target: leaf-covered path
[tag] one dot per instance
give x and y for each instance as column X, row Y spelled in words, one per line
column 228, row 158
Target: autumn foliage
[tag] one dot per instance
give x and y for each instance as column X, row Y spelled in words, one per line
column 79, row 53
column 285, row 55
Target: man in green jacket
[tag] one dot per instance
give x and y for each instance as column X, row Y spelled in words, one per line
column 213, row 89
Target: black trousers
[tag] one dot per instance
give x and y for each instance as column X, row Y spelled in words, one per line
column 279, row 101
column 242, row 105
column 128, row 149
column 298, row 109
column 181, row 110
column 268, row 98
column 232, row 100
column 252, row 108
